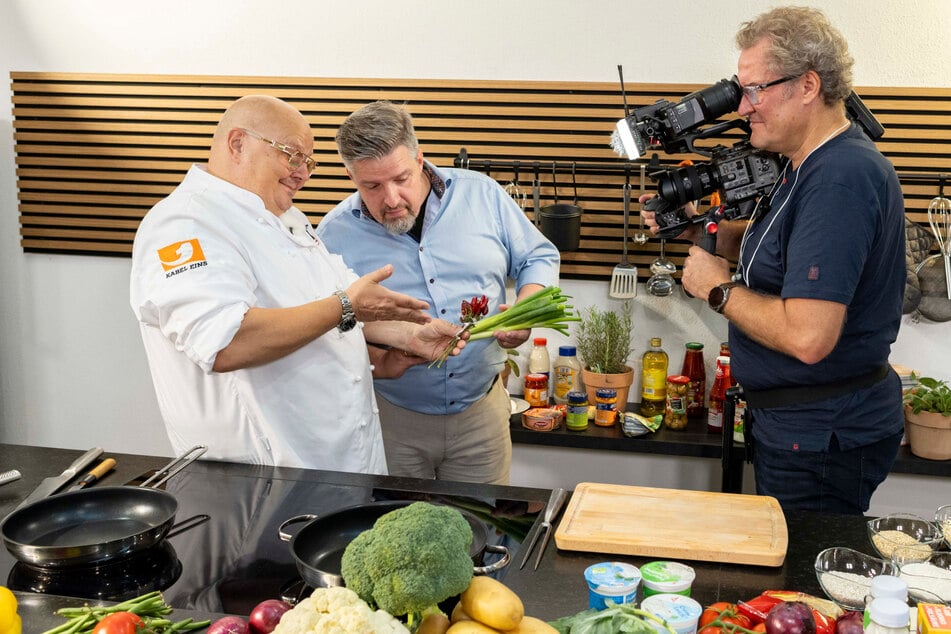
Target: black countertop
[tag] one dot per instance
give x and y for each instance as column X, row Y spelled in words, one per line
column 556, row 589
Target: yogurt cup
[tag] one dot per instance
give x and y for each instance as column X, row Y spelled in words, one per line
column 667, row 577
column 680, row 612
column 611, row 582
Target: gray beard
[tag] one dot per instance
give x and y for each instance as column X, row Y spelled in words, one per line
column 399, row 226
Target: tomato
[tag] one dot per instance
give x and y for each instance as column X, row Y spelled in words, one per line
column 119, row 623
column 717, row 615
column 759, row 627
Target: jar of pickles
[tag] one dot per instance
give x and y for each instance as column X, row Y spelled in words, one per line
column 678, row 396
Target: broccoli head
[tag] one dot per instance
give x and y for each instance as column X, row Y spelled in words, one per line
column 412, row 558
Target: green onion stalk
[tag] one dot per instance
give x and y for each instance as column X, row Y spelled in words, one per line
column 547, row 308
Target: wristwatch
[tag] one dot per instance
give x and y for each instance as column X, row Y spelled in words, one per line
column 719, row 295
column 348, row 320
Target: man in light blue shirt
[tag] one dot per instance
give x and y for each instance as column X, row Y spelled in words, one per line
column 451, row 235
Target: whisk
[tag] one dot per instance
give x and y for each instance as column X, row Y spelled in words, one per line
column 939, row 217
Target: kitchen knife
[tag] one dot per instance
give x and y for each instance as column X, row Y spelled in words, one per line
column 100, row 470
column 49, row 486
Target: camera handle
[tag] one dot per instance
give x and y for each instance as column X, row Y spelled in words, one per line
column 711, row 224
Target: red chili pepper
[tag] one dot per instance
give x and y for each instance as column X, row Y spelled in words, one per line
column 824, row 624
column 757, row 608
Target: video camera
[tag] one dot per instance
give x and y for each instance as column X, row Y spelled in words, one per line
column 740, row 173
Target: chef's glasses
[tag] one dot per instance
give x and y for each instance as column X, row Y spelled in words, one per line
column 752, row 92
column 295, row 158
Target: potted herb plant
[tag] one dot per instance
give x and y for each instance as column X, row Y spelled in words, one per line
column 604, row 344
column 928, row 418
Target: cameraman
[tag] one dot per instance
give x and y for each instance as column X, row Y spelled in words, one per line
column 816, row 300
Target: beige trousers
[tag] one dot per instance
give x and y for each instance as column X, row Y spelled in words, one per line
column 472, row 446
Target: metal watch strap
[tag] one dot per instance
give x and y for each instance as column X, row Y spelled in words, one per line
column 347, row 319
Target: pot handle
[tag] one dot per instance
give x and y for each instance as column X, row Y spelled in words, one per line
column 501, row 563
column 297, row 519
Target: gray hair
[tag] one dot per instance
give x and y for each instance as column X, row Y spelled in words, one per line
column 374, row 131
column 803, row 39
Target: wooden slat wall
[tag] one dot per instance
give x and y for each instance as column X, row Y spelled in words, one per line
column 95, row 151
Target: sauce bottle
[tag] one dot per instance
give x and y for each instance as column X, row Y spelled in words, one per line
column 567, row 374
column 718, row 396
column 539, row 361
column 694, row 369
column 654, row 380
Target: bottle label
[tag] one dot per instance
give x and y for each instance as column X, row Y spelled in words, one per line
column 565, row 380
column 654, row 384
column 715, row 415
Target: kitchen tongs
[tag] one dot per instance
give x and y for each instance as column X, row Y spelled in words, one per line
column 544, row 531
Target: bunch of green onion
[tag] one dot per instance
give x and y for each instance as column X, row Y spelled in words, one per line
column 547, row 308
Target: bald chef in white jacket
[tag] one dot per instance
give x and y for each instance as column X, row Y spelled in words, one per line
column 257, row 336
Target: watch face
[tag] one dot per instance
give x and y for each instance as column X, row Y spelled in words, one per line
column 715, row 298
column 347, row 324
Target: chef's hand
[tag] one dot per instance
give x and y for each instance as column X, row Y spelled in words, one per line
column 427, row 341
column 692, row 232
column 703, row 271
column 511, row 338
column 373, row 302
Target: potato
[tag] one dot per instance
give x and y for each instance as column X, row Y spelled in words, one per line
column 458, row 614
column 434, row 624
column 532, row 625
column 470, row 627
column 491, row 602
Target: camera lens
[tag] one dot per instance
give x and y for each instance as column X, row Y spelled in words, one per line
column 720, row 98
column 684, row 184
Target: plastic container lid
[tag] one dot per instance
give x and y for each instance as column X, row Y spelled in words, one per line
column 612, row 578
column 567, row 351
column 577, row 398
column 889, row 612
column 681, row 613
column 888, row 586
column 667, row 576
column 540, row 341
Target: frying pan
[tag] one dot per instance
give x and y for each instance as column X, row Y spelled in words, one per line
column 92, row 525
column 318, row 547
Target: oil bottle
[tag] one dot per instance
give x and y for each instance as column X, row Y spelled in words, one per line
column 654, row 380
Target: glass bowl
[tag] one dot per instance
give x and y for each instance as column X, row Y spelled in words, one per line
column 929, row 581
column 846, row 575
column 903, row 537
column 942, row 517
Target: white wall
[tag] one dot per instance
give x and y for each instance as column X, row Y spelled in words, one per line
column 72, row 370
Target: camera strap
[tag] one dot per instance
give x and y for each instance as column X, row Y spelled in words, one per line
column 786, row 396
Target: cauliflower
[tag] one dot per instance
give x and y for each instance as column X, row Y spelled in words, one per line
column 337, row 611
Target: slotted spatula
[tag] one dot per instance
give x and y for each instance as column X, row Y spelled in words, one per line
column 624, row 278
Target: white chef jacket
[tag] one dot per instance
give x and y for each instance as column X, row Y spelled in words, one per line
column 202, row 257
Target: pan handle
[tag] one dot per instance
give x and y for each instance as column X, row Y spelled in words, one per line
column 176, row 465
column 297, row 519
column 495, row 567
column 186, row 524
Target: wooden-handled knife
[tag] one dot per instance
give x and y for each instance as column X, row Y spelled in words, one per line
column 100, row 470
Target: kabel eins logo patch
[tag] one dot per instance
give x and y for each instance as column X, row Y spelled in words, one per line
column 178, row 254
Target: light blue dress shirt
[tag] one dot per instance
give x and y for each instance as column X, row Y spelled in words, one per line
column 474, row 237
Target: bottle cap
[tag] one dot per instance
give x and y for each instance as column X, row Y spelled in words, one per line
column 694, row 345
column 888, row 586
column 567, row 351
column 540, row 341
column 656, row 342
column 889, row 612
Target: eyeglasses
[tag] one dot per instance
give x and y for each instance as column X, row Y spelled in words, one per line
column 752, row 92
column 295, row 158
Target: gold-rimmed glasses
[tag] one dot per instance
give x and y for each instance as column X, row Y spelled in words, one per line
column 752, row 92
column 295, row 158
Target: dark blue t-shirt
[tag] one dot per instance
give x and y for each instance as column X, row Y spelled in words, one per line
column 834, row 231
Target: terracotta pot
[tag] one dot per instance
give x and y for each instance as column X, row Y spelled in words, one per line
column 620, row 382
column 929, row 434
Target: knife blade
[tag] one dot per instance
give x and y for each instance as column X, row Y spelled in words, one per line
column 49, row 486
column 100, row 470
column 554, row 506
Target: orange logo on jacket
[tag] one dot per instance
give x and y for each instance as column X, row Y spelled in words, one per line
column 178, row 254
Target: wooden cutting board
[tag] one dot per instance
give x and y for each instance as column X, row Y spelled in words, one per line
column 674, row 524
